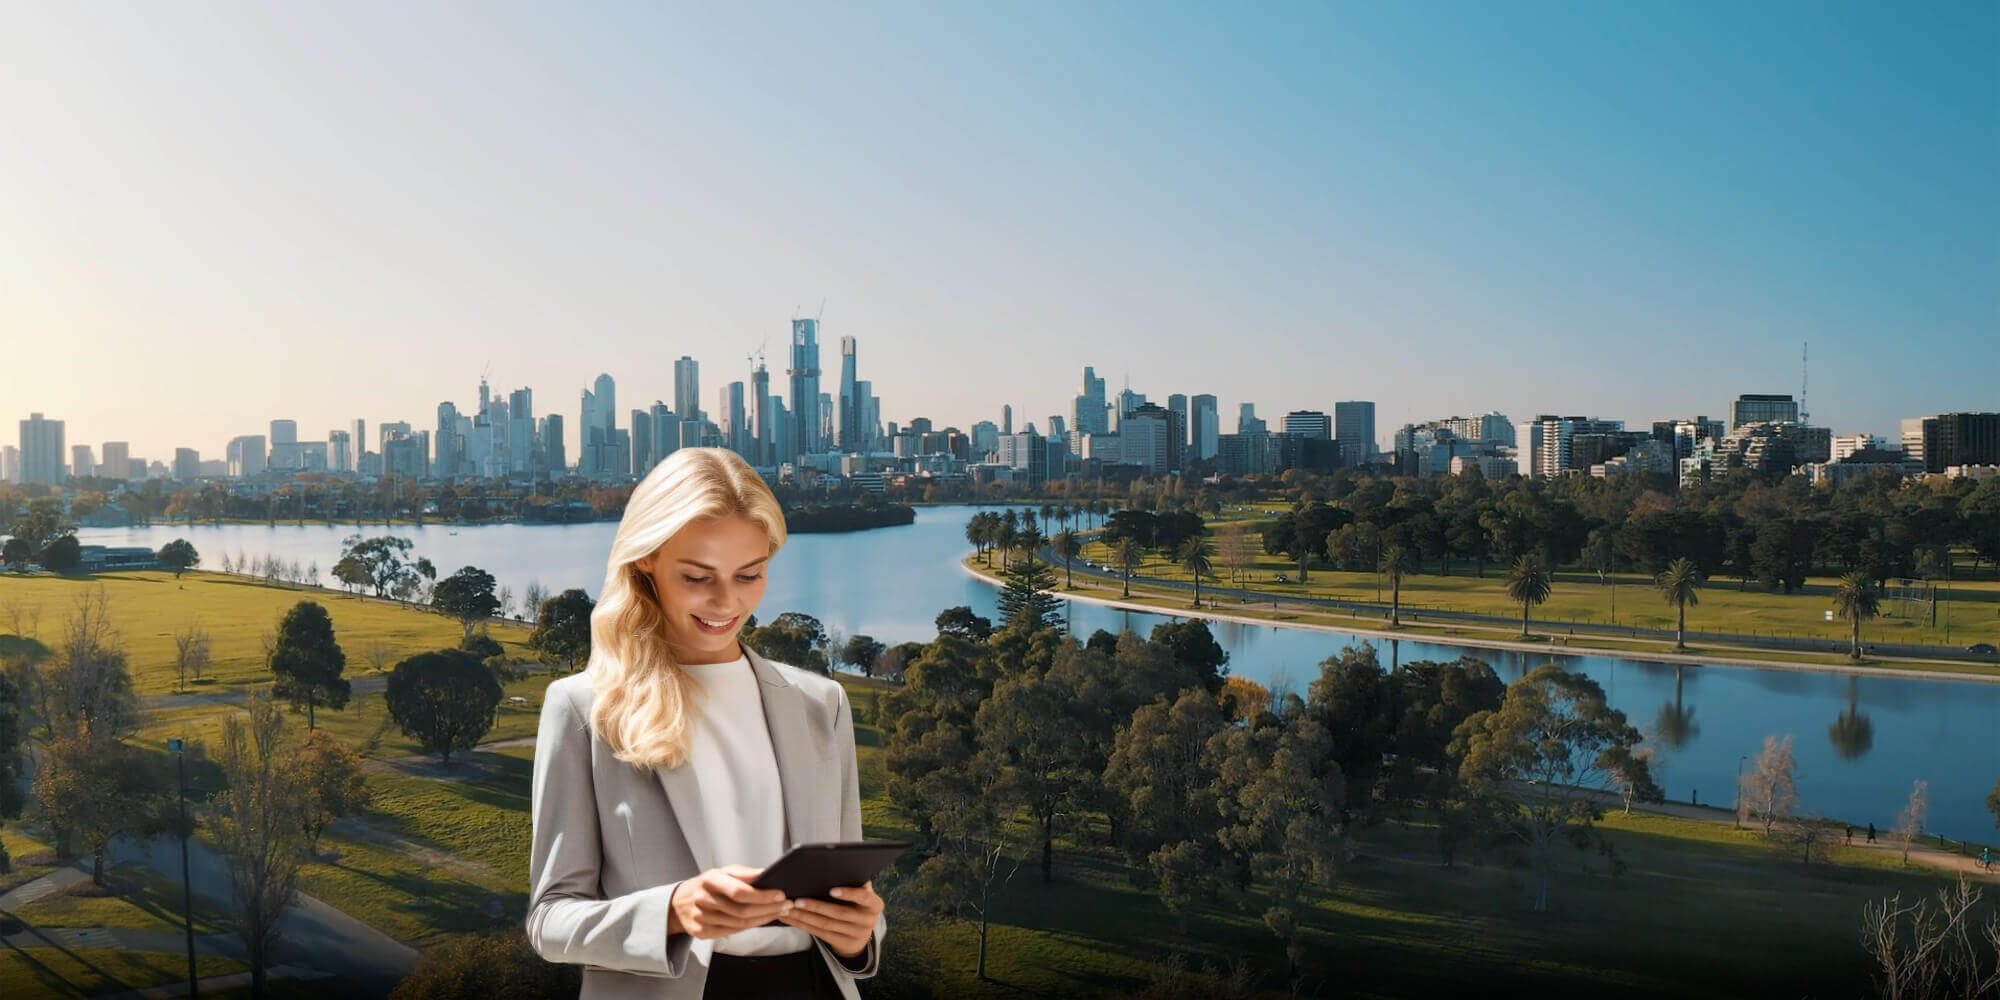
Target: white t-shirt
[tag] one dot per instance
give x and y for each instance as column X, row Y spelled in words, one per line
column 730, row 751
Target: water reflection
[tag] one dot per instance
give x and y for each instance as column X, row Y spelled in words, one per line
column 1851, row 733
column 1675, row 723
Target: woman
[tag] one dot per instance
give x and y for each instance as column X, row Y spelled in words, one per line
column 679, row 763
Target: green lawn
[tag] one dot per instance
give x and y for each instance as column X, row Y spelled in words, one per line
column 39, row 972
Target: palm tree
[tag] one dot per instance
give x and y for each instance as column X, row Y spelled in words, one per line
column 1048, row 511
column 1676, row 721
column 1066, row 547
column 1005, row 537
column 1528, row 582
column 1129, row 554
column 975, row 532
column 1395, row 561
column 1679, row 583
column 1030, row 538
column 1851, row 733
column 1854, row 600
column 1194, row 557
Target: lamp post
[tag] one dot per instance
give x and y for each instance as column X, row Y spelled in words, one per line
column 1736, row 801
column 187, row 888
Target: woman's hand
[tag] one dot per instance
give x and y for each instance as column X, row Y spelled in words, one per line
column 846, row 925
column 719, row 902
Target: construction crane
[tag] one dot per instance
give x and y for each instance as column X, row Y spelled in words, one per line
column 757, row 356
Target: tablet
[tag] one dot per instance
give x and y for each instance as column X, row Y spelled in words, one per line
column 809, row 870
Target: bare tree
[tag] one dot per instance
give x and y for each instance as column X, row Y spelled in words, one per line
column 190, row 652
column 1910, row 822
column 260, row 827
column 506, row 596
column 1767, row 793
column 1923, row 951
column 379, row 654
column 531, row 599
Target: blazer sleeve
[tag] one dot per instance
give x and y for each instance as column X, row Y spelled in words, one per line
column 568, row 918
column 850, row 829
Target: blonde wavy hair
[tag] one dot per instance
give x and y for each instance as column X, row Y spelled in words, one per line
column 642, row 694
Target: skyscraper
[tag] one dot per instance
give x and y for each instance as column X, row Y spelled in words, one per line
column 687, row 387
column 737, row 433
column 850, row 405
column 521, row 431
column 360, row 443
column 1206, row 426
column 246, row 455
column 1309, row 423
column 1354, row 428
column 767, row 438
column 642, row 440
column 339, row 451
column 284, row 432
column 41, row 450
column 803, row 405
column 555, row 460
column 1089, row 417
column 1758, row 407
column 117, row 462
column 80, row 461
column 1177, row 404
column 1006, row 419
column 595, row 433
column 1247, row 420
column 450, row 447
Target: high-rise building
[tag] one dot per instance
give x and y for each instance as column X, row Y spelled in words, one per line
column 850, row 438
column 803, row 404
column 450, row 447
column 871, row 416
column 187, row 465
column 766, row 433
column 1207, row 426
column 42, row 450
column 339, row 451
column 360, row 443
column 1247, row 420
column 1354, row 428
column 1088, row 416
column 594, row 431
column 10, row 464
column 246, row 456
column 642, row 440
column 1177, row 403
column 827, row 427
column 521, row 432
column 737, row 429
column 284, row 432
column 1762, row 408
column 1127, row 402
column 687, row 387
column 80, row 461
column 554, row 459
column 1309, row 424
column 1006, row 419
column 1951, row 440
column 117, row 462
column 1026, row 451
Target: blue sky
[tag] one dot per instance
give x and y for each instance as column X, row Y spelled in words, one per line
column 212, row 215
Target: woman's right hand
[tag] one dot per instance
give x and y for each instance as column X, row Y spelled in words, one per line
column 719, row 902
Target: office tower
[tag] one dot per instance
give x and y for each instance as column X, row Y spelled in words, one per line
column 767, row 438
column 284, row 432
column 850, row 405
column 1087, row 416
column 737, row 433
column 444, row 465
column 595, row 430
column 360, row 443
column 1206, row 426
column 554, row 459
column 1247, row 420
column 1354, row 428
column 246, row 456
column 41, row 450
column 117, row 462
column 1951, row 440
column 1309, row 423
column 803, row 404
column 10, row 464
column 985, row 437
column 393, row 430
column 1758, row 408
column 687, row 387
column 187, row 465
column 1058, row 426
column 80, row 462
column 1027, row 451
column 1127, row 402
column 871, row 417
column 1177, row 403
column 826, row 425
column 340, row 451
column 782, row 429
column 485, row 395
column 521, row 432
column 1913, row 444
column 1006, row 419
column 642, row 440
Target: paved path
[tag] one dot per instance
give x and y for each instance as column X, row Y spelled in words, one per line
column 234, row 694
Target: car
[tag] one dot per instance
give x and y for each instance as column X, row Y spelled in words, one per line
column 1982, row 648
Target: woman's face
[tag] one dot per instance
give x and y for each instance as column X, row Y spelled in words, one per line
column 709, row 576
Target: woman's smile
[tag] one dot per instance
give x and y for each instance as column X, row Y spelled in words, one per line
column 715, row 626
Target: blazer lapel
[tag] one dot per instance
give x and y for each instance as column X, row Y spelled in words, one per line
column 791, row 744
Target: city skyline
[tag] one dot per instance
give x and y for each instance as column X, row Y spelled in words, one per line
column 1591, row 212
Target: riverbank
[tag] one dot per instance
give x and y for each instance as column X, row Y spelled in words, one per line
column 1468, row 635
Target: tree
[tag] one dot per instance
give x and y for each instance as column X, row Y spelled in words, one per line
column 13, row 737
column 1767, row 793
column 1194, row 556
column 1551, row 742
column 1396, row 560
column 1128, row 554
column 62, row 555
column 260, row 827
column 330, row 772
column 1855, row 601
column 466, row 595
column 1528, row 582
column 443, row 699
column 862, row 651
column 1066, row 546
column 1158, row 779
column 90, row 683
column 1350, row 699
column 1279, row 793
column 961, row 622
column 179, row 555
column 1026, row 598
column 1193, row 648
column 41, row 523
column 96, row 788
column 308, row 662
column 1923, row 952
column 975, row 856
column 352, row 572
column 382, row 558
column 562, row 629
column 191, row 653
column 1029, row 724
column 1910, row 822
column 495, row 966
column 14, row 552
column 1680, row 584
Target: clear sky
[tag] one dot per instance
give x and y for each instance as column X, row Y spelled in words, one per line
column 216, row 214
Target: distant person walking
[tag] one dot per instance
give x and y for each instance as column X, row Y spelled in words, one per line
column 1871, row 833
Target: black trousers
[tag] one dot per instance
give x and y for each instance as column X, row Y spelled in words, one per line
column 801, row 975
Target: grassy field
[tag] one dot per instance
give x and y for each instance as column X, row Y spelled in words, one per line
column 1971, row 609
column 1698, row 910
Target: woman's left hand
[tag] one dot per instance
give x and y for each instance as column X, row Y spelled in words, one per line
column 846, row 925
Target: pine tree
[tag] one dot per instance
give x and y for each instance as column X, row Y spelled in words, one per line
column 1026, row 597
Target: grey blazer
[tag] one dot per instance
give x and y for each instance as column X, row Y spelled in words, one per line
column 611, row 841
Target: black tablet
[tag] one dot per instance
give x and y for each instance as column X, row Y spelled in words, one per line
column 807, row 871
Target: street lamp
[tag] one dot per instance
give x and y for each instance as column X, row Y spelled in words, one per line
column 187, row 888
column 1736, row 801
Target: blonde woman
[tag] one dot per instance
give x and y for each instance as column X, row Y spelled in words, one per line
column 679, row 763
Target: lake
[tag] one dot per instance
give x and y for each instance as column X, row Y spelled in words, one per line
column 891, row 583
